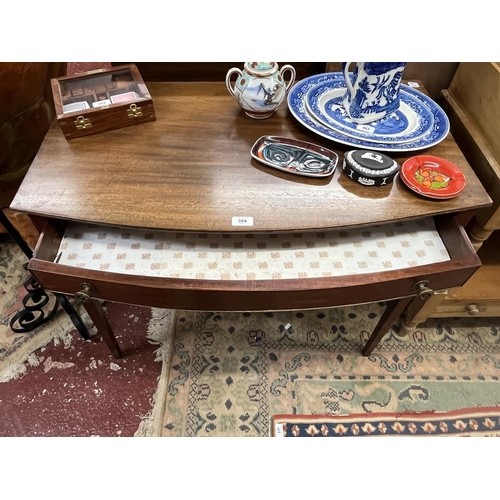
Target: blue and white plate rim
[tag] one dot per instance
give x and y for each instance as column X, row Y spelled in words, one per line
column 296, row 105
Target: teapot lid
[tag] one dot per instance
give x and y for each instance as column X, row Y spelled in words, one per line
column 261, row 68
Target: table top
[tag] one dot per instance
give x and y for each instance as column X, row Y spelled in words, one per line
column 191, row 170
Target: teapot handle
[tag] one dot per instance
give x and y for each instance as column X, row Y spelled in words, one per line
column 291, row 69
column 230, row 73
column 345, row 70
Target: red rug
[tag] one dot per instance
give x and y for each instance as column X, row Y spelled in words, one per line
column 464, row 422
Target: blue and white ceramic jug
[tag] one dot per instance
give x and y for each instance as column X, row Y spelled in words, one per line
column 372, row 90
column 260, row 88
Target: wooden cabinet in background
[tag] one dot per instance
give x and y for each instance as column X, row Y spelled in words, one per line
column 476, row 90
column 472, row 103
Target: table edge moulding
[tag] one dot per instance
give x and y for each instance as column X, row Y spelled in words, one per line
column 191, row 172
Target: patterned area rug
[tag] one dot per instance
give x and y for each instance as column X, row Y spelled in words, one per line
column 230, row 373
column 470, row 422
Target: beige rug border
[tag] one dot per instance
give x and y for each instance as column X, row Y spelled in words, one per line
column 161, row 330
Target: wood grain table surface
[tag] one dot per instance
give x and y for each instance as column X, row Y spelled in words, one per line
column 191, row 170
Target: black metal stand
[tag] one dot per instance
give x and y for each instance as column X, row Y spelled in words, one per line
column 32, row 316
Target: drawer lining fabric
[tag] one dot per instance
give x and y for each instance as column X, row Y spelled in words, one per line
column 252, row 256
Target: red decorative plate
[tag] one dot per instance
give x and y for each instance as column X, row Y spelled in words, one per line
column 432, row 177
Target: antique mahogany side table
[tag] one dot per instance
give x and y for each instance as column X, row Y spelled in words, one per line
column 176, row 213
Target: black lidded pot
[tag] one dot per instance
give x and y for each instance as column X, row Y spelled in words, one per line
column 370, row 168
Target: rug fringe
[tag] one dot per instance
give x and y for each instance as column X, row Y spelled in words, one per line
column 160, row 330
column 12, row 372
column 33, row 360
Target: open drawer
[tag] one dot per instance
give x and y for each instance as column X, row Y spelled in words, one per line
column 253, row 271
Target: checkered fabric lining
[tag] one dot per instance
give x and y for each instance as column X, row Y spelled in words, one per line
column 252, row 256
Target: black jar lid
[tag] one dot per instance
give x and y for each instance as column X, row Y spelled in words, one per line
column 370, row 167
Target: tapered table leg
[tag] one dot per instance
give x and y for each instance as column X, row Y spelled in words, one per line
column 419, row 311
column 98, row 316
column 393, row 310
column 74, row 316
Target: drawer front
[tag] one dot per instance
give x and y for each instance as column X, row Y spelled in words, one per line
column 263, row 294
column 481, row 308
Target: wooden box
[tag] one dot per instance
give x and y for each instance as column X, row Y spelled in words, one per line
column 101, row 100
column 476, row 89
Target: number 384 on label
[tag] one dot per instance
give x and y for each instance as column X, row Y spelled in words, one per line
column 242, row 221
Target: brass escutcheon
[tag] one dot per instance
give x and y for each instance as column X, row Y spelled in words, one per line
column 82, row 122
column 134, row 111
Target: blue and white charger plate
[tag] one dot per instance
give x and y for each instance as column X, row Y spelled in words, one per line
column 410, row 122
column 296, row 104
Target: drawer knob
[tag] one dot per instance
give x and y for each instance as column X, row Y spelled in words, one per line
column 472, row 309
column 423, row 291
column 84, row 294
